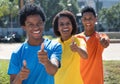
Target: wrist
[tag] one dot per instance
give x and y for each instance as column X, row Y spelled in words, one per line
column 47, row 63
column 17, row 80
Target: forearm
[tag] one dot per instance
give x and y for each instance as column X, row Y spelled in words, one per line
column 16, row 80
column 51, row 68
column 82, row 53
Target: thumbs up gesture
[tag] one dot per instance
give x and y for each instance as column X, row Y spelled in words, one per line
column 24, row 71
column 42, row 55
column 73, row 45
column 104, row 40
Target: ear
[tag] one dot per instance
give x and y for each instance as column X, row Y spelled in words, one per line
column 96, row 18
column 24, row 28
column 58, row 29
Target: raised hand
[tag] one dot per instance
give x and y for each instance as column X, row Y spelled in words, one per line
column 42, row 55
column 104, row 40
column 73, row 45
column 24, row 64
column 24, row 71
column 42, row 48
column 75, row 48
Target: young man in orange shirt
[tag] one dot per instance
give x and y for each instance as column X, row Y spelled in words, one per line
column 92, row 68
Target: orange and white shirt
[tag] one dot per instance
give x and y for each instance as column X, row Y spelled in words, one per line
column 92, row 68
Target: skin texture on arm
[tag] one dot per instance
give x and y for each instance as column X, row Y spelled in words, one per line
column 50, row 65
column 23, row 74
column 14, row 79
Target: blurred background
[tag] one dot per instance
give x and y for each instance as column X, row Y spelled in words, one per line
column 108, row 12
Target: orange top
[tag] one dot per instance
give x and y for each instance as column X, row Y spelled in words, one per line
column 92, row 68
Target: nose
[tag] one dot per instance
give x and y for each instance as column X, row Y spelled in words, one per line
column 87, row 22
column 36, row 26
column 66, row 24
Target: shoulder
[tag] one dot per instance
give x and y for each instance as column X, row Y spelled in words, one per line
column 52, row 43
column 81, row 37
column 20, row 48
column 80, row 34
column 102, row 35
column 81, row 41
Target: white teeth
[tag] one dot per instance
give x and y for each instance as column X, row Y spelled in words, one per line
column 36, row 32
column 88, row 24
column 65, row 29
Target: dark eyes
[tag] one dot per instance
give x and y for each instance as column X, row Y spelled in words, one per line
column 65, row 24
column 30, row 25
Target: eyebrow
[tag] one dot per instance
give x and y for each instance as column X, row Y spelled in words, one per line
column 32, row 23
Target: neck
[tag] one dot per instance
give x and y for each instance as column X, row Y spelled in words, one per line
column 35, row 42
column 64, row 38
column 89, row 33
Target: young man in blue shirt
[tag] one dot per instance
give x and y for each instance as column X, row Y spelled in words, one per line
column 38, row 59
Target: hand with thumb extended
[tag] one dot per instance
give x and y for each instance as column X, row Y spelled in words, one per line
column 73, row 40
column 104, row 40
column 42, row 47
column 42, row 55
column 23, row 74
column 73, row 45
column 24, row 64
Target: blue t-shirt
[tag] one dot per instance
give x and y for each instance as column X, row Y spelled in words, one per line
column 38, row 74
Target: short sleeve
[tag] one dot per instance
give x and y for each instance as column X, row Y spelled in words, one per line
column 14, row 66
column 57, row 51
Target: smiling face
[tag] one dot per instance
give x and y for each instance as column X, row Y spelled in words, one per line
column 34, row 27
column 89, row 20
column 65, row 28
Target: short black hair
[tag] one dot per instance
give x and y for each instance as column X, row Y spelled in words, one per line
column 68, row 14
column 30, row 9
column 88, row 9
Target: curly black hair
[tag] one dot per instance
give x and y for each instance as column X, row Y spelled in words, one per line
column 68, row 14
column 30, row 9
column 88, row 9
